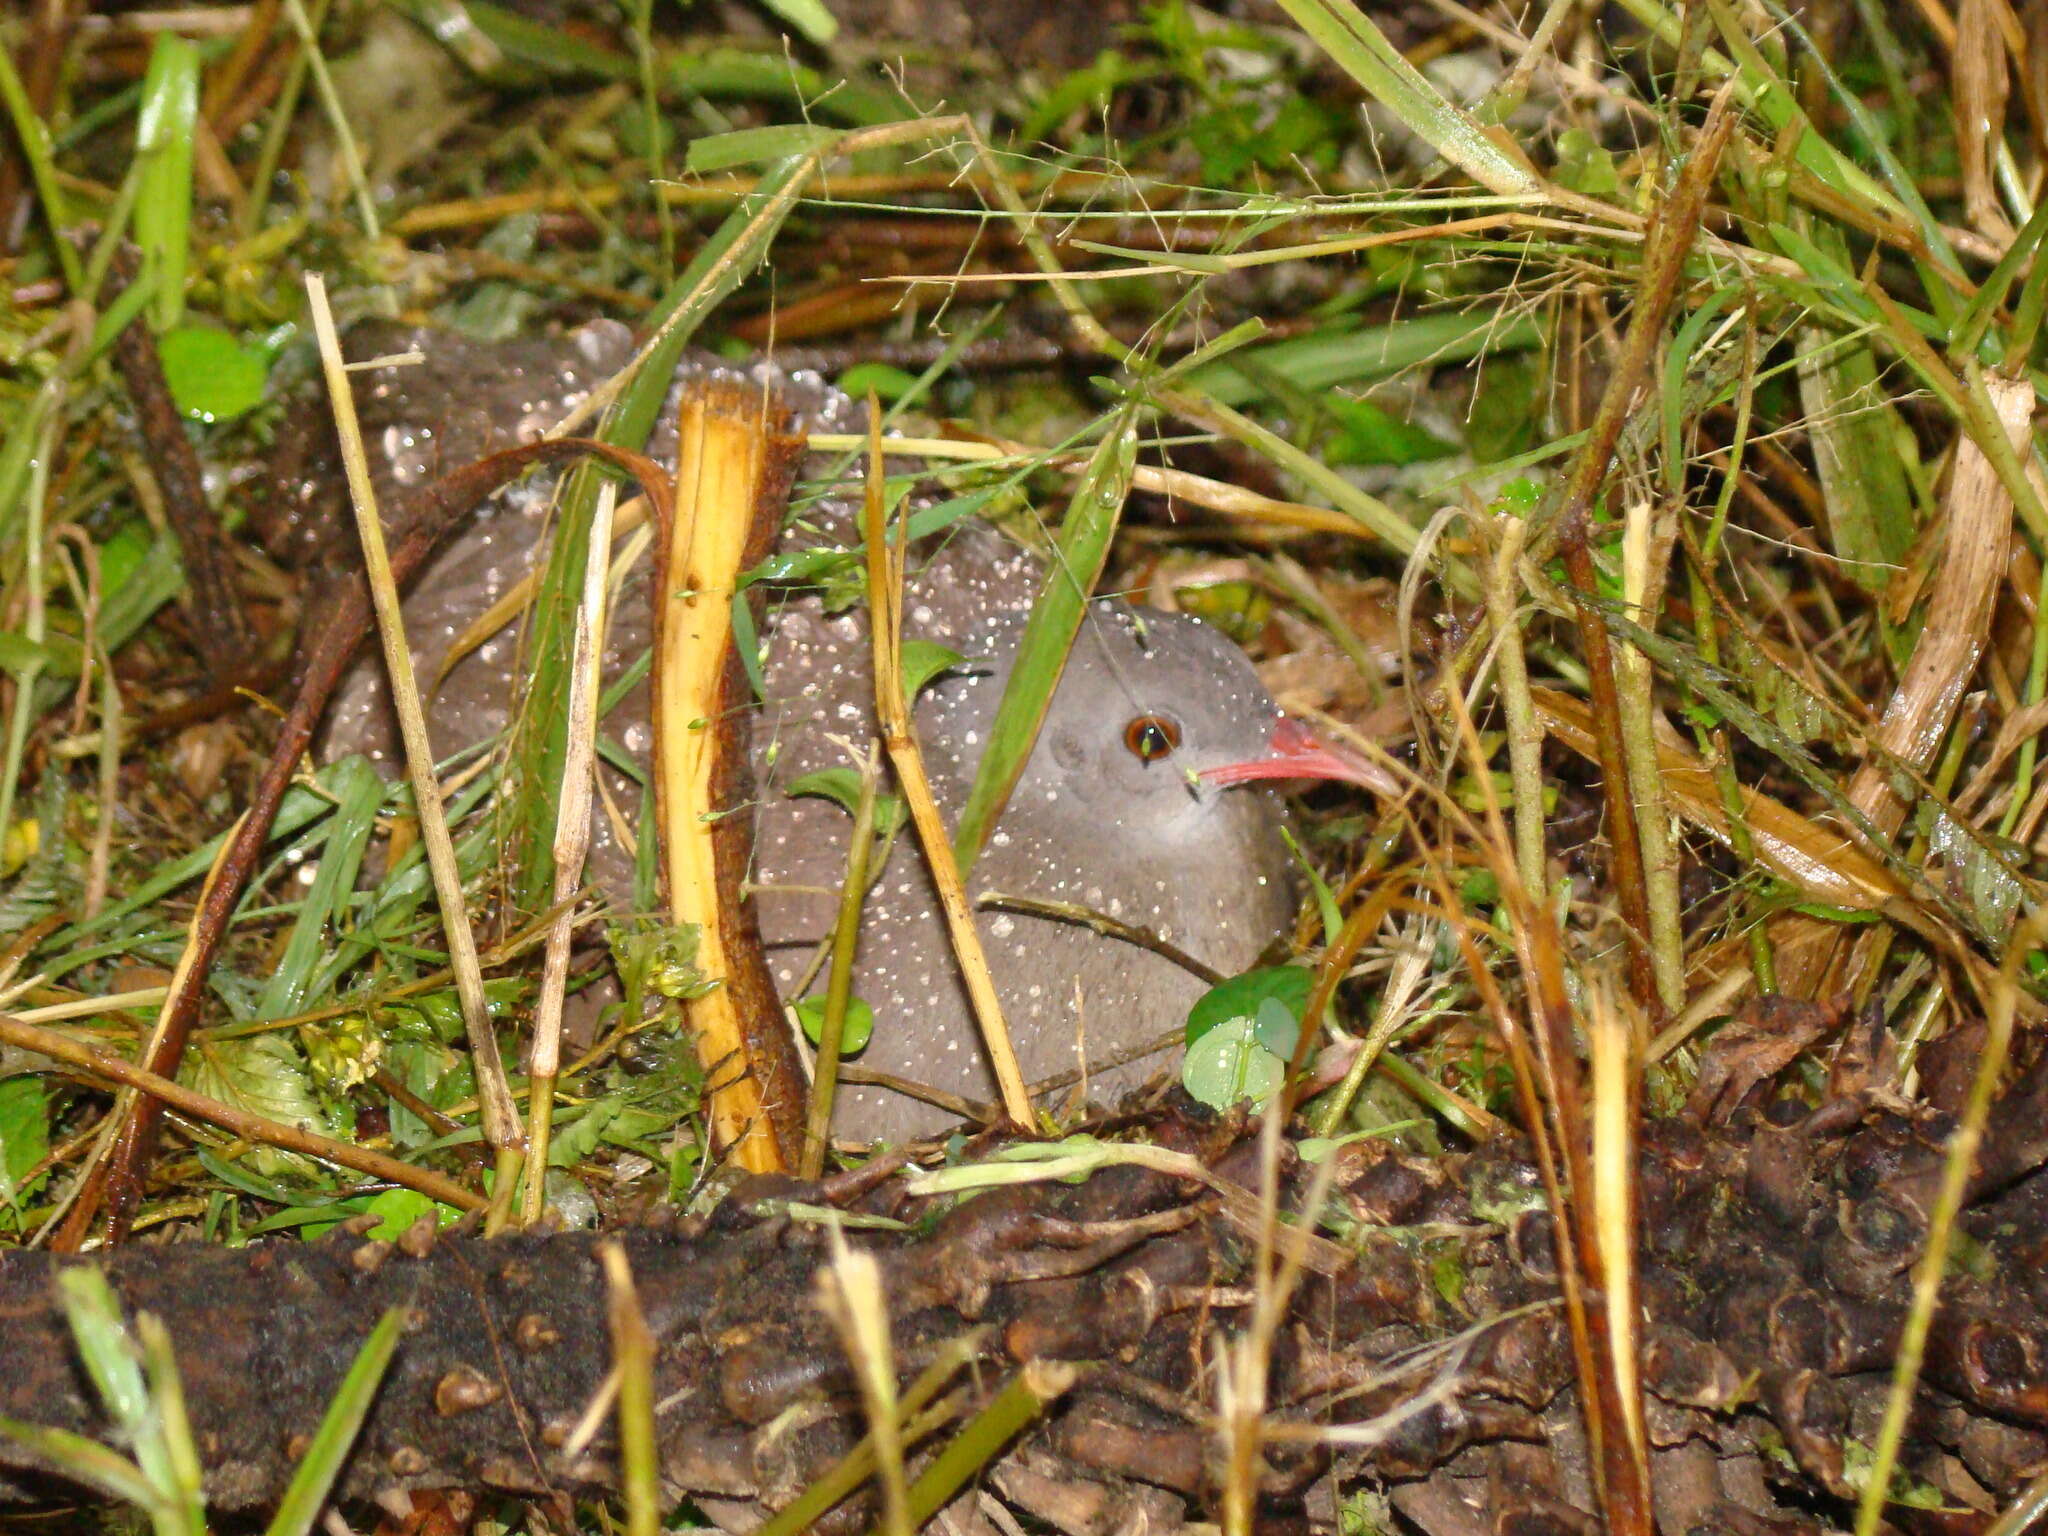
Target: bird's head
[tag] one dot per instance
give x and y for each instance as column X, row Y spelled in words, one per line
column 1156, row 717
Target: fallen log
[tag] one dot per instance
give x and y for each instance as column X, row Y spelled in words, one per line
column 1422, row 1349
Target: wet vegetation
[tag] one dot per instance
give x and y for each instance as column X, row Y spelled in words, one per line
column 1616, row 423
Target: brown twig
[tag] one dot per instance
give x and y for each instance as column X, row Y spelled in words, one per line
column 212, row 603
column 103, row 1063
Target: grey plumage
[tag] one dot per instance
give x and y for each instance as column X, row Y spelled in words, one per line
column 1092, row 822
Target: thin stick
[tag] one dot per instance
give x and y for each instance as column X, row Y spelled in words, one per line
column 899, row 737
column 103, row 1063
column 572, row 843
column 500, row 1118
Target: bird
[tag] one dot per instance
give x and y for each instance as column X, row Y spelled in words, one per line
column 1146, row 799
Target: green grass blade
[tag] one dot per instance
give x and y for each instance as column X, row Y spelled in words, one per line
column 33, row 135
column 1349, row 37
column 84, row 1461
column 1328, row 358
column 163, row 143
column 358, row 793
column 1049, row 633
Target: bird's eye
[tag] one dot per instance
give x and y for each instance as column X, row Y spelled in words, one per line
column 1149, row 738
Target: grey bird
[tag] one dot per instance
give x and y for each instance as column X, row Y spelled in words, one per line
column 1130, row 804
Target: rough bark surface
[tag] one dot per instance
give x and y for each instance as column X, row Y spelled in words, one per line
column 1774, row 1278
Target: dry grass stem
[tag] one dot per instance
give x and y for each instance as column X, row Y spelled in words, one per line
column 1525, row 731
column 899, row 738
column 1646, row 555
column 633, row 1350
column 572, row 844
column 850, row 1291
column 500, row 1118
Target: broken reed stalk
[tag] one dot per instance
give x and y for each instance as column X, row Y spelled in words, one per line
column 494, row 1092
column 1977, row 516
column 733, row 470
column 103, row 1063
column 572, row 844
column 899, row 739
column 839, row 983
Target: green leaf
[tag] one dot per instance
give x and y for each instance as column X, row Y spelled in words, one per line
column 1277, row 1027
column 84, row 1461
column 842, row 787
column 889, row 383
column 575, row 1141
column 1241, row 1033
column 809, row 17
column 400, row 1208
column 18, row 653
column 265, row 1075
column 1345, row 354
column 1228, row 1066
column 122, row 553
column 854, row 1033
column 1349, row 36
column 839, row 785
column 358, row 792
column 1241, row 997
column 924, row 661
column 1056, row 616
column 1585, row 165
column 212, row 376
column 1857, row 438
column 24, row 1132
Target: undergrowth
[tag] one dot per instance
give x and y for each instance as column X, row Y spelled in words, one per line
column 1623, row 417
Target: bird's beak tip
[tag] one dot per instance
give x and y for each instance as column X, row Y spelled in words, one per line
column 1297, row 752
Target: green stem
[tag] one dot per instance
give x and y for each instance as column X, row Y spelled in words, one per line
column 839, row 986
